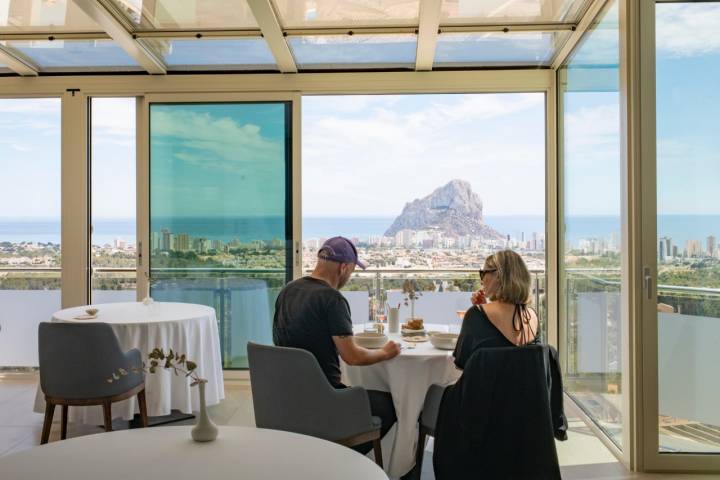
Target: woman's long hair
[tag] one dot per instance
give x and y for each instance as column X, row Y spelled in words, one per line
column 514, row 282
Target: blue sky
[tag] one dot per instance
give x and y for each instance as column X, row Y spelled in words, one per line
column 368, row 155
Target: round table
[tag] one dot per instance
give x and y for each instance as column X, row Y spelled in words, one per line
column 169, row 453
column 185, row 327
column 407, row 377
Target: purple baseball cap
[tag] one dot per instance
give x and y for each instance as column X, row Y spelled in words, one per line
column 340, row 249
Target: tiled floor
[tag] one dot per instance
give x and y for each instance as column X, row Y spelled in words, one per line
column 583, row 456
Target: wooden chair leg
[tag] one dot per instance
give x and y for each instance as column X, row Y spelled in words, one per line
column 143, row 408
column 47, row 423
column 378, row 452
column 107, row 413
column 420, row 451
column 63, row 425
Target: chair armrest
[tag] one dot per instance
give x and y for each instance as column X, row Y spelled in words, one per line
column 431, row 407
column 350, row 413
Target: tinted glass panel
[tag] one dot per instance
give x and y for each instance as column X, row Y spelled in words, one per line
column 218, row 213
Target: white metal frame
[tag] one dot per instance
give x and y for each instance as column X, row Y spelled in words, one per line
column 644, row 61
column 116, row 30
column 270, row 26
column 115, row 26
column 427, row 34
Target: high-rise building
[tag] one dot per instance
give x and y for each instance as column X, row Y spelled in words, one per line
column 166, row 240
column 675, row 251
column 661, row 250
column 182, row 242
column 668, row 247
column 405, row 238
column 155, row 242
column 693, row 248
column 711, row 245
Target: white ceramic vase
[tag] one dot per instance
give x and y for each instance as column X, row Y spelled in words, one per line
column 204, row 430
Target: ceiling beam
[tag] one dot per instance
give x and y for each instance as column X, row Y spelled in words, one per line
column 17, row 64
column 266, row 17
column 427, row 34
column 117, row 31
column 585, row 23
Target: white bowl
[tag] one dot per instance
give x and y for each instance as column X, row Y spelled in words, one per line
column 371, row 339
column 444, row 341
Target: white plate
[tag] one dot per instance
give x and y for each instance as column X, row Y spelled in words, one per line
column 370, row 340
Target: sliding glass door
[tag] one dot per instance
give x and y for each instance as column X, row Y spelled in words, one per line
column 681, row 225
column 220, row 212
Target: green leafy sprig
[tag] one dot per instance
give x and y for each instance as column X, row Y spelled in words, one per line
column 179, row 364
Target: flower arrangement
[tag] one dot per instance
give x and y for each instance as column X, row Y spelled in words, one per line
column 178, row 363
column 412, row 292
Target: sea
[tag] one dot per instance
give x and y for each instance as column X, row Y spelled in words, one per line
column 680, row 228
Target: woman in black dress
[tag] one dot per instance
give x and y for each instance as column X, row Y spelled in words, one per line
column 507, row 320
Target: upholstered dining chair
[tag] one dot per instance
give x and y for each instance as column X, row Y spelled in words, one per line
column 76, row 361
column 291, row 393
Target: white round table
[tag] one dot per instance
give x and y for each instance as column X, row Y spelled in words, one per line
column 407, row 377
column 185, row 327
column 168, row 453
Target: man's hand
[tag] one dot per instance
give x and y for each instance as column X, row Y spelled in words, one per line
column 391, row 350
column 352, row 354
column 478, row 298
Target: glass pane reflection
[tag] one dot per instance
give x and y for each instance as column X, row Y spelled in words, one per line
column 359, row 51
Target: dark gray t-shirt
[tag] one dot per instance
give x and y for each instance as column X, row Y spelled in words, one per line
column 308, row 313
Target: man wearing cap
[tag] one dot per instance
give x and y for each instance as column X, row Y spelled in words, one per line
column 311, row 313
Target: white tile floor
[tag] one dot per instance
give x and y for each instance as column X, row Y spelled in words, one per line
column 583, row 456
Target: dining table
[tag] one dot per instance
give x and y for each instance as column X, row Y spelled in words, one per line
column 168, row 453
column 185, row 327
column 407, row 377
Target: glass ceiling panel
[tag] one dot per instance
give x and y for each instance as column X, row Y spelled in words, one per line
column 497, row 48
column 509, row 11
column 353, row 51
column 187, row 14
column 74, row 54
column 214, row 54
column 347, row 13
column 44, row 16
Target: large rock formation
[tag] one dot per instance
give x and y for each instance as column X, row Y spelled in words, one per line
column 453, row 209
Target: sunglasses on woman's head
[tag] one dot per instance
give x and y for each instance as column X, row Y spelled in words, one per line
column 483, row 272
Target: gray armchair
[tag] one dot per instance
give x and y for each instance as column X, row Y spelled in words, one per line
column 291, row 393
column 75, row 362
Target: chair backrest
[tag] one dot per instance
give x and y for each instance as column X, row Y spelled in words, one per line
column 499, row 410
column 76, row 360
column 290, row 392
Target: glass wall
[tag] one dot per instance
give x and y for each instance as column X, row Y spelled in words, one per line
column 688, row 225
column 432, row 206
column 29, row 224
column 220, row 213
column 112, row 199
column 590, row 290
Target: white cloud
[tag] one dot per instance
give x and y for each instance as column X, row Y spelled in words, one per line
column 685, row 30
column 372, row 162
column 215, row 142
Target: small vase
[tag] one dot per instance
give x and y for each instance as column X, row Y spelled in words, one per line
column 204, row 430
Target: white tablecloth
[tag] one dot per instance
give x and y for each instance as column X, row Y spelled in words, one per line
column 185, row 327
column 167, row 453
column 407, row 377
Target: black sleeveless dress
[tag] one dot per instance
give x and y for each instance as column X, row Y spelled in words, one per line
column 479, row 332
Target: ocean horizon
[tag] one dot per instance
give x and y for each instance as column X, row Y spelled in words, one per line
column 680, row 228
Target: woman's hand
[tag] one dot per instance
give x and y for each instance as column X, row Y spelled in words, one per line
column 478, row 298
